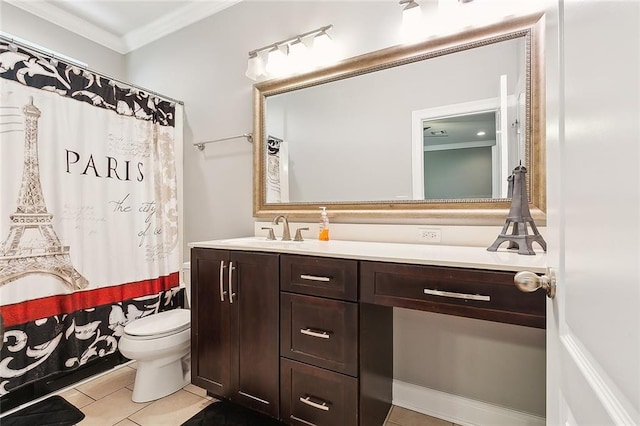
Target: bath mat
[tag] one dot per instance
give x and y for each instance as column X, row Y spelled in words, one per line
column 224, row 413
column 54, row 410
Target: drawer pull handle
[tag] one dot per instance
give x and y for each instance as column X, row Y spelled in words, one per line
column 231, row 293
column 314, row 278
column 464, row 296
column 320, row 406
column 310, row 332
column 222, row 292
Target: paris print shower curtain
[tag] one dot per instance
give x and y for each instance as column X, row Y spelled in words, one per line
column 88, row 213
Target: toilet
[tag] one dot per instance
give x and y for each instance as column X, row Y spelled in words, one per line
column 161, row 345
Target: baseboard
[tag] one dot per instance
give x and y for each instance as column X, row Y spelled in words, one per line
column 457, row 409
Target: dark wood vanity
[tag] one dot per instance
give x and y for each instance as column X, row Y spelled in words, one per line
column 309, row 339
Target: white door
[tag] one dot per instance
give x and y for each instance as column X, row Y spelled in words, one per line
column 593, row 327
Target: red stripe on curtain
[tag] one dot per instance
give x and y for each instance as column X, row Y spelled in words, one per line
column 31, row 310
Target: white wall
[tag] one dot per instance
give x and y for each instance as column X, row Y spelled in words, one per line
column 502, row 364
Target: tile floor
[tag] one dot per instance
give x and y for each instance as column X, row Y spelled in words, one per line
column 106, row 400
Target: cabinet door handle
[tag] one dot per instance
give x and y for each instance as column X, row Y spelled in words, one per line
column 310, row 332
column 320, row 406
column 231, row 293
column 314, row 278
column 464, row 296
column 222, row 292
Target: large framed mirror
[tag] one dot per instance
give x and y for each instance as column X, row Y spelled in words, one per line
column 425, row 131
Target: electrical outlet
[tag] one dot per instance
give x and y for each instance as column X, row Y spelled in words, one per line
column 429, row 235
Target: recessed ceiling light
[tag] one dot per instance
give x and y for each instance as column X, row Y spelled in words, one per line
column 480, row 133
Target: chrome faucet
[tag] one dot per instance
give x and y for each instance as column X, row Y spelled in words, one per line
column 286, row 234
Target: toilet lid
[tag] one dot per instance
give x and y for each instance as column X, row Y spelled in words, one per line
column 167, row 322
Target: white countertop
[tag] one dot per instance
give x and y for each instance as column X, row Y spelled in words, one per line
column 421, row 254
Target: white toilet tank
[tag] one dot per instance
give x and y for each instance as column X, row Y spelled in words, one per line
column 186, row 283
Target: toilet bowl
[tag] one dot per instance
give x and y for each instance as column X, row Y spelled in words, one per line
column 160, row 344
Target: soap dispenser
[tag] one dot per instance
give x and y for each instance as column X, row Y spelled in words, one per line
column 323, row 234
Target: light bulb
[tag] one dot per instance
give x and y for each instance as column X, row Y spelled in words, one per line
column 277, row 62
column 411, row 14
column 447, row 6
column 412, row 25
column 255, row 67
column 450, row 13
column 323, row 49
column 298, row 56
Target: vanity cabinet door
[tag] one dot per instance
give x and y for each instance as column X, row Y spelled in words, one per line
column 255, row 330
column 210, row 322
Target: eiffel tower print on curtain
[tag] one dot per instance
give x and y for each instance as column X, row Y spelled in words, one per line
column 32, row 246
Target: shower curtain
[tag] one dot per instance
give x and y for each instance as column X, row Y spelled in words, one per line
column 88, row 213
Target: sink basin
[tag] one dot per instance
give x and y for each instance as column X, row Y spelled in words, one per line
column 262, row 242
column 255, row 240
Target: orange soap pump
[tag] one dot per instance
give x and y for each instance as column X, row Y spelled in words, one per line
column 323, row 234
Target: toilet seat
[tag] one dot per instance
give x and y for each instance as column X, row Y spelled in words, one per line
column 159, row 325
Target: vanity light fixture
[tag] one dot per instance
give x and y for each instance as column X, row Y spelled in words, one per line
column 411, row 12
column 412, row 25
column 255, row 66
column 277, row 61
column 295, row 54
column 453, row 16
column 323, row 48
column 298, row 55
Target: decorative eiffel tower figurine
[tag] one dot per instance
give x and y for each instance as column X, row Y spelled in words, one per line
column 519, row 216
column 32, row 246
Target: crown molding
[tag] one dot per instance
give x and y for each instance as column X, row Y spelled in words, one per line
column 180, row 18
column 174, row 21
column 68, row 21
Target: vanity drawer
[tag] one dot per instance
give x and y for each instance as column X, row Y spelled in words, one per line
column 320, row 276
column 322, row 332
column 488, row 295
column 314, row 396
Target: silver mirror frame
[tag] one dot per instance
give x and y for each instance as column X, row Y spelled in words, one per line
column 469, row 212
